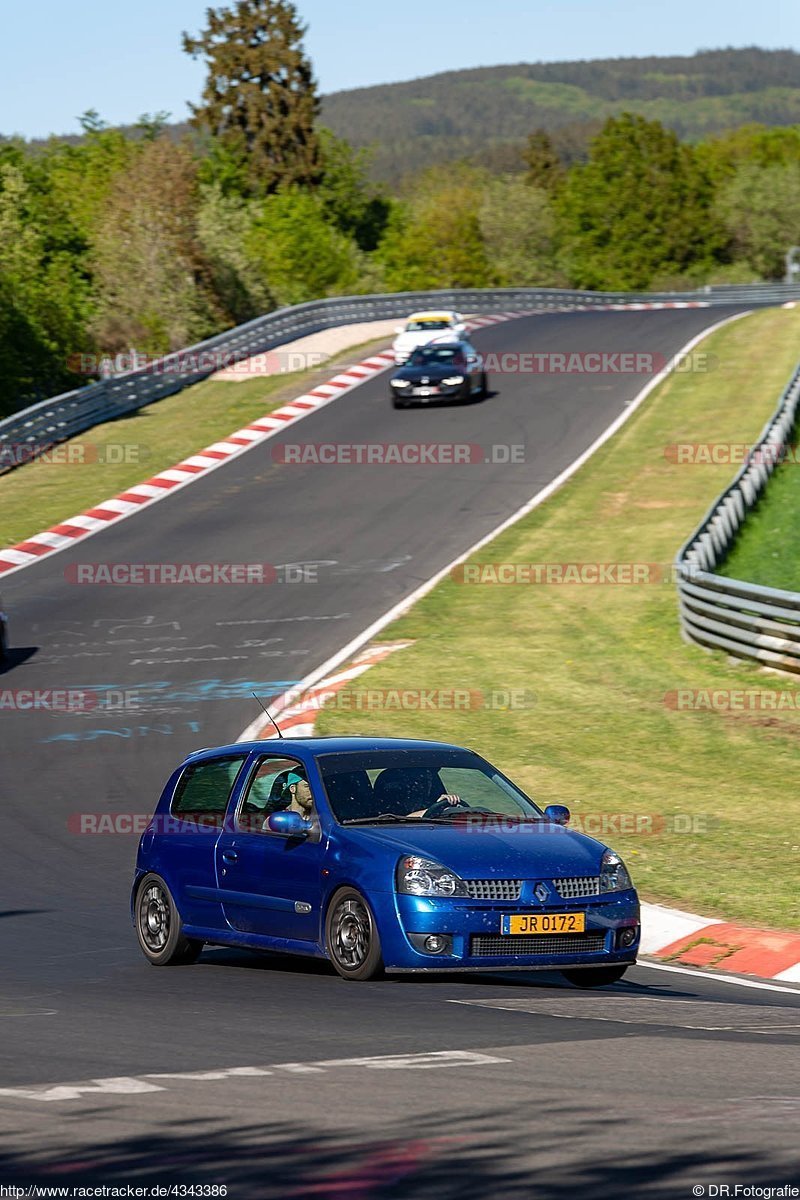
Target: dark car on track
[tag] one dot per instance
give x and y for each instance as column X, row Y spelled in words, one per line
column 450, row 369
column 377, row 853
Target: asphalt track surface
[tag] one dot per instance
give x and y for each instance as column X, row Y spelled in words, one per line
column 664, row 1082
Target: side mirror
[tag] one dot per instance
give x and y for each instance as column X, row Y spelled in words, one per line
column 288, row 825
column 399, row 328
column 459, row 329
column 557, row 813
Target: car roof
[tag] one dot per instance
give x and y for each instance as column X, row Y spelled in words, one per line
column 439, row 314
column 320, row 745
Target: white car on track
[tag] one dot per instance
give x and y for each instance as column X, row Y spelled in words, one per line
column 422, row 327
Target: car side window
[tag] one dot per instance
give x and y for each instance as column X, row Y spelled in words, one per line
column 204, row 789
column 272, row 787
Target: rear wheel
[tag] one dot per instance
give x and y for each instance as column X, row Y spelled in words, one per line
column 159, row 926
column 592, row 977
column 351, row 936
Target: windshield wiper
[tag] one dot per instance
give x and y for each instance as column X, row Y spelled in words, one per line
column 388, row 818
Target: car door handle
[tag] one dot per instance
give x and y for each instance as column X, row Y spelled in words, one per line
column 230, row 856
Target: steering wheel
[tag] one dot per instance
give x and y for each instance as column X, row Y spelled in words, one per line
column 446, row 804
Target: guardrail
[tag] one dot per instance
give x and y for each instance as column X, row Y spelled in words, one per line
column 744, row 619
column 61, row 417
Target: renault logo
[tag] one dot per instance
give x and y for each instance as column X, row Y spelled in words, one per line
column 541, row 892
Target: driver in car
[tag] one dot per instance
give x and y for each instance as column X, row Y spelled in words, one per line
column 295, row 797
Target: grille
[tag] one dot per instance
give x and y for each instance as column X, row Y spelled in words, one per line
column 575, row 943
column 494, row 889
column 579, row 885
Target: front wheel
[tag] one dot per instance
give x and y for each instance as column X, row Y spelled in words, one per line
column 351, row 937
column 592, row 977
column 159, row 926
column 484, row 391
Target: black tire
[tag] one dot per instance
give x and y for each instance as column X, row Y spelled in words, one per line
column 399, row 403
column 3, row 644
column 484, row 392
column 592, row 977
column 351, row 936
column 159, row 927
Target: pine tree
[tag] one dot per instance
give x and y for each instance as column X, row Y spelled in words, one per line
column 260, row 96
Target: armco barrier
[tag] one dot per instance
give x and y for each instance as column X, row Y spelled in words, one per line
column 744, row 619
column 64, row 416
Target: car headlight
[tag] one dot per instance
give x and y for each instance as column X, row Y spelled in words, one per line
column 401, row 383
column 453, row 380
column 422, row 877
column 614, row 875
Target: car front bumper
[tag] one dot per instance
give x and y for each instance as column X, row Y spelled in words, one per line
column 475, row 940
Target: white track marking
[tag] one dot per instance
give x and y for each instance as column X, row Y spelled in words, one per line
column 131, row 1086
column 759, row 984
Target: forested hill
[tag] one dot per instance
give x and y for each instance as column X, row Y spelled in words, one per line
column 467, row 113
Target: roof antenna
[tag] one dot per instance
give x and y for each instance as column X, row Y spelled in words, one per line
column 266, row 712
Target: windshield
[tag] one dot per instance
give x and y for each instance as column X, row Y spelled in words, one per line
column 427, row 355
column 426, row 323
column 399, row 784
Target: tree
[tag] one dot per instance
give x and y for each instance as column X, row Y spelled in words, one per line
column 518, row 227
column 434, row 240
column 300, row 255
column 760, row 207
column 260, row 97
column 151, row 275
column 45, row 298
column 545, row 169
column 225, row 225
column 355, row 205
column 640, row 207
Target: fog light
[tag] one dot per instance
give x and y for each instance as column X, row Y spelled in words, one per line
column 626, row 937
column 432, row 943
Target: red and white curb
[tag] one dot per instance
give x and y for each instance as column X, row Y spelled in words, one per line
column 143, row 495
column 669, row 934
column 295, row 712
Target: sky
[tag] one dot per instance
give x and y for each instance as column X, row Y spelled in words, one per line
column 59, row 58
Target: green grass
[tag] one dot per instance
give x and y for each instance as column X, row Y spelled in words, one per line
column 42, row 493
column 767, row 549
column 600, row 659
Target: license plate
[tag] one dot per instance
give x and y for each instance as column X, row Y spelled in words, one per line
column 424, row 391
column 544, row 923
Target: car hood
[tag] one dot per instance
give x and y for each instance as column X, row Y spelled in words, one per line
column 524, row 852
column 429, row 371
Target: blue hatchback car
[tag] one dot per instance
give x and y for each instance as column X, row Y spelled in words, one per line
column 378, row 854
